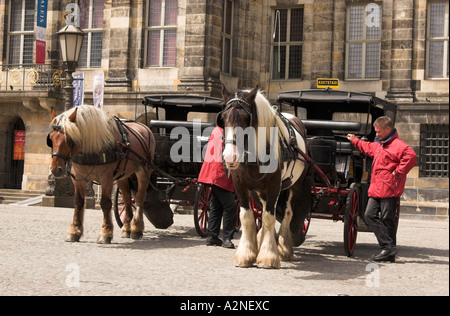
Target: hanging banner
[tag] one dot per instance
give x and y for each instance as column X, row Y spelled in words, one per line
column 78, row 91
column 98, row 90
column 41, row 31
column 19, row 145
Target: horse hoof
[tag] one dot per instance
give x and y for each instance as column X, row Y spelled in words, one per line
column 104, row 240
column 243, row 266
column 126, row 234
column 137, row 235
column 268, row 263
column 267, row 267
column 72, row 238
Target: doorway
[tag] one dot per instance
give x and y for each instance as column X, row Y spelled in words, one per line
column 15, row 153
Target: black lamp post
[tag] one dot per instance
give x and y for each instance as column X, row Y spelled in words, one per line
column 60, row 190
column 71, row 41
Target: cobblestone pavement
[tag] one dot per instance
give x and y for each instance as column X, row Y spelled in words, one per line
column 35, row 260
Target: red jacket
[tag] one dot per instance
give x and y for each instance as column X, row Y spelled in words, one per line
column 212, row 171
column 388, row 156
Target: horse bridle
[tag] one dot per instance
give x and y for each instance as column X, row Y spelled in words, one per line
column 70, row 143
column 237, row 101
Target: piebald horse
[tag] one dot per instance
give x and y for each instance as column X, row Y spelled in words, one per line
column 102, row 149
column 281, row 181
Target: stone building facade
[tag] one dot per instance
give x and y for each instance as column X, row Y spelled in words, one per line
column 397, row 50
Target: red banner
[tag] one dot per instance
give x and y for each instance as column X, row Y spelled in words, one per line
column 19, row 145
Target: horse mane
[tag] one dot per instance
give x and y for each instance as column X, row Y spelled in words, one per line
column 268, row 117
column 92, row 130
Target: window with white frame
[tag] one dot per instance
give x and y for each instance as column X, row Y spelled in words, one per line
column 91, row 22
column 161, row 33
column 227, row 36
column 437, row 40
column 21, row 31
column 363, row 43
column 287, row 44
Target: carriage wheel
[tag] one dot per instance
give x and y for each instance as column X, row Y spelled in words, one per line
column 203, row 198
column 351, row 219
column 119, row 206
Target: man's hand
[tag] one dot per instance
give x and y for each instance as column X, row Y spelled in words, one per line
column 351, row 137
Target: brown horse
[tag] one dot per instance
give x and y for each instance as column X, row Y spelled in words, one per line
column 278, row 183
column 101, row 149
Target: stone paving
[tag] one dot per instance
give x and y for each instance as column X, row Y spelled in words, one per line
column 35, row 260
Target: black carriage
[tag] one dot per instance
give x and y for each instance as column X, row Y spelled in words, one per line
column 342, row 173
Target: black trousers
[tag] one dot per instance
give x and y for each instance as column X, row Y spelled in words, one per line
column 222, row 205
column 380, row 216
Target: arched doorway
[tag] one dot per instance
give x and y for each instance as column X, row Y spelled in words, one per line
column 15, row 153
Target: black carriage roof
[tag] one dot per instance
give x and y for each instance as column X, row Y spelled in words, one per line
column 314, row 96
column 194, row 103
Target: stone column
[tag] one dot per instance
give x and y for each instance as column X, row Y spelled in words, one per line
column 118, row 35
column 402, row 51
column 193, row 76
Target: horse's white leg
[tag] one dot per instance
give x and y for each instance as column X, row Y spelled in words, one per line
column 76, row 228
column 106, row 234
column 137, row 224
column 285, row 245
column 247, row 249
column 268, row 252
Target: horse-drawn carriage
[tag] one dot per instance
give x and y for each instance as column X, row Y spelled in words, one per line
column 317, row 174
column 342, row 174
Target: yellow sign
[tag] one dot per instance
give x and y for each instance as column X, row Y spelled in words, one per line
column 328, row 82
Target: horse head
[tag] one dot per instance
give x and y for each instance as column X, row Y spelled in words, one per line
column 62, row 145
column 238, row 116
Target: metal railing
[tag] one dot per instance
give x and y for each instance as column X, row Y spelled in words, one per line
column 29, row 77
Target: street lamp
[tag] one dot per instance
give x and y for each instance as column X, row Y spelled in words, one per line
column 71, row 41
column 60, row 190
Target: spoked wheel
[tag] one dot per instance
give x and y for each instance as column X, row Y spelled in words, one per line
column 351, row 219
column 203, row 198
column 119, row 206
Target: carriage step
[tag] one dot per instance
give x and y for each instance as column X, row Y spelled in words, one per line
column 20, row 197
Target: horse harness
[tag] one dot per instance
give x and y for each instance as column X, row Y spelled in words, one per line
column 116, row 153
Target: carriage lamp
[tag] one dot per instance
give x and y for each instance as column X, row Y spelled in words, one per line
column 71, row 41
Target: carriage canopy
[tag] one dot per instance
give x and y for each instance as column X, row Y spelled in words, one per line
column 325, row 108
column 321, row 103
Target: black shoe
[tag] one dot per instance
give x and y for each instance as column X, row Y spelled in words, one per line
column 385, row 255
column 228, row 244
column 213, row 241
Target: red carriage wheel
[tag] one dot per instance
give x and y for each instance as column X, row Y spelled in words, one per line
column 119, row 206
column 351, row 219
column 203, row 198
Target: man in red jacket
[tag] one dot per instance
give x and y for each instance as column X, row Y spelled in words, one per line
column 223, row 202
column 392, row 160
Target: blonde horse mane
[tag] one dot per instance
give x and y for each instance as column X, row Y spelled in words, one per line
column 268, row 117
column 91, row 129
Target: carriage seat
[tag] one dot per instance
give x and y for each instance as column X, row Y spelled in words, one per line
column 333, row 157
column 343, row 159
